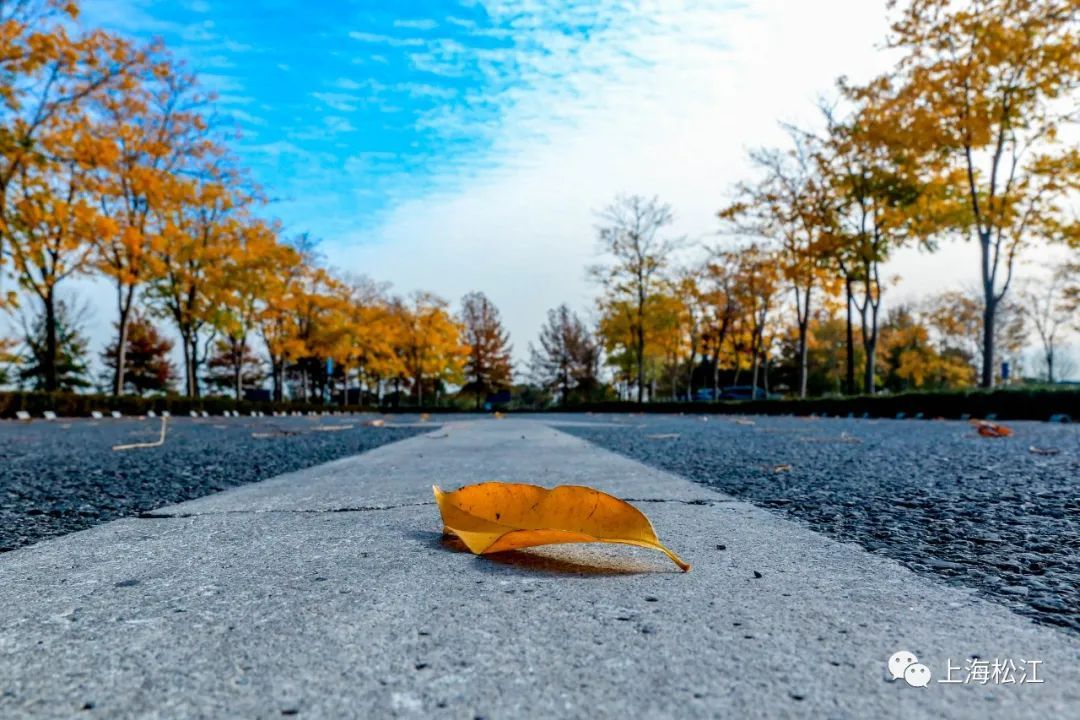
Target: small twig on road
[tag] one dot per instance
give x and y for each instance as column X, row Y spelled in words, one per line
column 157, row 443
column 331, row 428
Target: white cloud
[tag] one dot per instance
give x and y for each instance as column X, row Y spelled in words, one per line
column 423, row 24
column 342, row 102
column 385, row 39
column 666, row 99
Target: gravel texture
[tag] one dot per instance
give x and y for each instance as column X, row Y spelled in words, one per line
column 60, row 476
column 988, row 513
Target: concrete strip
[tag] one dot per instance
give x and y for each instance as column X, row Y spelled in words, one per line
column 295, row 596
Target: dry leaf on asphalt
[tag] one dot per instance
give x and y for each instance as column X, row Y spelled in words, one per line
column 494, row 517
column 1043, row 451
column 991, row 429
column 782, row 468
column 424, row 417
column 375, row 423
column 499, row 415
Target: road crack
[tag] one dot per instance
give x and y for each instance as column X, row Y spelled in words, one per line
column 159, row 515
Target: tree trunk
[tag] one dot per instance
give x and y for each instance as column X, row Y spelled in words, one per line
column 185, row 342
column 989, row 313
column 238, row 371
column 716, row 373
column 754, row 371
column 49, row 362
column 275, row 371
column 639, row 352
column 193, row 390
column 124, row 308
column 850, row 368
column 870, row 349
column 804, row 325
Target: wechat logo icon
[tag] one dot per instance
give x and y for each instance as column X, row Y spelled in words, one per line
column 904, row 664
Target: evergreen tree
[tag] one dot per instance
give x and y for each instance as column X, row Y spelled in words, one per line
column 487, row 367
column 36, row 371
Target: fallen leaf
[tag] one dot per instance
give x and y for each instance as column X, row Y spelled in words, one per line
column 1043, row 451
column 991, row 429
column 499, row 415
column 663, row 436
column 375, row 423
column 424, row 417
column 782, row 468
column 494, row 517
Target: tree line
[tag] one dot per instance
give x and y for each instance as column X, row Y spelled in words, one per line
column 112, row 165
column 971, row 135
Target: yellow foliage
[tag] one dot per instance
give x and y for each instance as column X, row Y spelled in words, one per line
column 495, row 517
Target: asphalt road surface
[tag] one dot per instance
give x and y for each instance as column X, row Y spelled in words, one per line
column 60, row 476
column 990, row 514
column 1001, row 515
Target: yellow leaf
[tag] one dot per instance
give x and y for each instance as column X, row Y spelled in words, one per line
column 494, row 517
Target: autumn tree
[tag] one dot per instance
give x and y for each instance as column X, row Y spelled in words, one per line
column 791, row 208
column 242, row 287
column 376, row 335
column 9, row 358
column 487, row 366
column 47, row 79
column 276, row 316
column 149, row 368
column 756, row 286
column 630, row 235
column 320, row 329
column 989, row 84
column 158, row 131
column 199, row 233
column 910, row 360
column 48, row 192
column 880, row 203
column 717, row 295
column 691, row 315
column 431, row 347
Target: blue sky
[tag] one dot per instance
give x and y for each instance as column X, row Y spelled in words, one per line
column 464, row 145
column 345, row 108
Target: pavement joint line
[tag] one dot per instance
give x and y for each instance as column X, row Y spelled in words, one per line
column 154, row 515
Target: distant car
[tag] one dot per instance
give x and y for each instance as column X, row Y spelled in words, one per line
column 705, row 395
column 743, row 392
